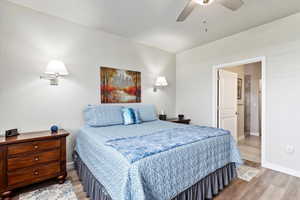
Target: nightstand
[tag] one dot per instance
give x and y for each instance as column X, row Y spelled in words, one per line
column 181, row 121
column 31, row 158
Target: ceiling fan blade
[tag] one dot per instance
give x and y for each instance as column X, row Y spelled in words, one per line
column 231, row 4
column 187, row 10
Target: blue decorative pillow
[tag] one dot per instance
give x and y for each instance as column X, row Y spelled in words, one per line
column 128, row 116
column 137, row 116
column 146, row 112
column 103, row 115
column 131, row 116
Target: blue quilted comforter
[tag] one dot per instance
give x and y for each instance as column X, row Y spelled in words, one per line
column 160, row 176
column 137, row 147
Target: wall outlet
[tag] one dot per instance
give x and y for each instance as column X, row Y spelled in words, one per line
column 289, row 149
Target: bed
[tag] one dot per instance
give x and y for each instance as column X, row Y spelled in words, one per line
column 198, row 169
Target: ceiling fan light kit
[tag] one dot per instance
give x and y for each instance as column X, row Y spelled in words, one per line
column 204, row 2
column 191, row 4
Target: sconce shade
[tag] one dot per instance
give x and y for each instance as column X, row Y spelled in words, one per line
column 161, row 81
column 56, row 67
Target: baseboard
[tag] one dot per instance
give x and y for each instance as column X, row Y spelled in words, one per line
column 255, row 134
column 70, row 166
column 279, row 168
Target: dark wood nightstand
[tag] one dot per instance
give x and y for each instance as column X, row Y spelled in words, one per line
column 181, row 121
column 30, row 158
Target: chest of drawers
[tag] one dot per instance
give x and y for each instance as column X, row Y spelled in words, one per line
column 31, row 158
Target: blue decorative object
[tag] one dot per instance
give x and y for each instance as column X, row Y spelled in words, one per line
column 131, row 116
column 128, row 116
column 54, row 129
column 137, row 117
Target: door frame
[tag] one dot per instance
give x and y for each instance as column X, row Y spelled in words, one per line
column 215, row 69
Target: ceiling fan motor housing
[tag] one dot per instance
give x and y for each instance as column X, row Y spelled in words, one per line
column 204, row 2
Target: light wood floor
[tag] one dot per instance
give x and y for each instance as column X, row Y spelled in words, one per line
column 268, row 185
column 250, row 148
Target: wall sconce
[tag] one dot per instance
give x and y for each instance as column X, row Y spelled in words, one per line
column 160, row 82
column 54, row 70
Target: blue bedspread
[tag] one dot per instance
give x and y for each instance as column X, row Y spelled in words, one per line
column 157, row 177
column 137, row 147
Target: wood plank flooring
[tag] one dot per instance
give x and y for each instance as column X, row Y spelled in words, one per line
column 250, row 148
column 268, row 185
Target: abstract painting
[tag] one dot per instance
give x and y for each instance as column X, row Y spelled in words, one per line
column 120, row 86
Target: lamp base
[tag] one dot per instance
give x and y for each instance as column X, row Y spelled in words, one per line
column 54, row 81
column 52, row 78
column 162, row 117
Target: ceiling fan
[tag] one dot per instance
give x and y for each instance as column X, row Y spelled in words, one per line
column 230, row 4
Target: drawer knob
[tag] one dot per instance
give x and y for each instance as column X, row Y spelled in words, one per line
column 36, row 146
column 36, row 158
column 36, row 172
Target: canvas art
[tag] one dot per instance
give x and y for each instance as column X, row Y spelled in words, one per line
column 120, row 86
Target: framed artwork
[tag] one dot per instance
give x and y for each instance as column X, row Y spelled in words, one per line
column 120, row 86
column 239, row 88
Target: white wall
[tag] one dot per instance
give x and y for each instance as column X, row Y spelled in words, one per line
column 279, row 41
column 29, row 39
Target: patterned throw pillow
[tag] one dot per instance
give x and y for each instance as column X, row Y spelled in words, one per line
column 137, row 116
column 128, row 116
column 131, row 116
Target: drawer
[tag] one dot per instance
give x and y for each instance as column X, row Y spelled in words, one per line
column 32, row 159
column 32, row 146
column 33, row 174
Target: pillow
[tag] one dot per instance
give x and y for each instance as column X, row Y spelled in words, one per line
column 103, row 115
column 128, row 116
column 131, row 116
column 137, row 116
column 146, row 112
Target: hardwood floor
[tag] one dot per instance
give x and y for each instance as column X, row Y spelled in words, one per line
column 250, row 148
column 268, row 185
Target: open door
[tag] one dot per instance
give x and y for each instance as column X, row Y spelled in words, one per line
column 227, row 102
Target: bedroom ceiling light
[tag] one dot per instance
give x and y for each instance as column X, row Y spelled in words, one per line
column 54, row 70
column 192, row 4
column 161, row 81
column 204, row 2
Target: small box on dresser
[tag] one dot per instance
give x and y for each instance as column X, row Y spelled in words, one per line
column 31, row 158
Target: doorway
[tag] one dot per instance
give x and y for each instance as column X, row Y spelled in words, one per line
column 239, row 105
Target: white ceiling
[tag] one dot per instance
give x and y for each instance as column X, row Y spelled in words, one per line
column 153, row 22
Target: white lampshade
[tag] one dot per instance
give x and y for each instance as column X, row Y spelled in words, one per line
column 56, row 67
column 161, row 81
